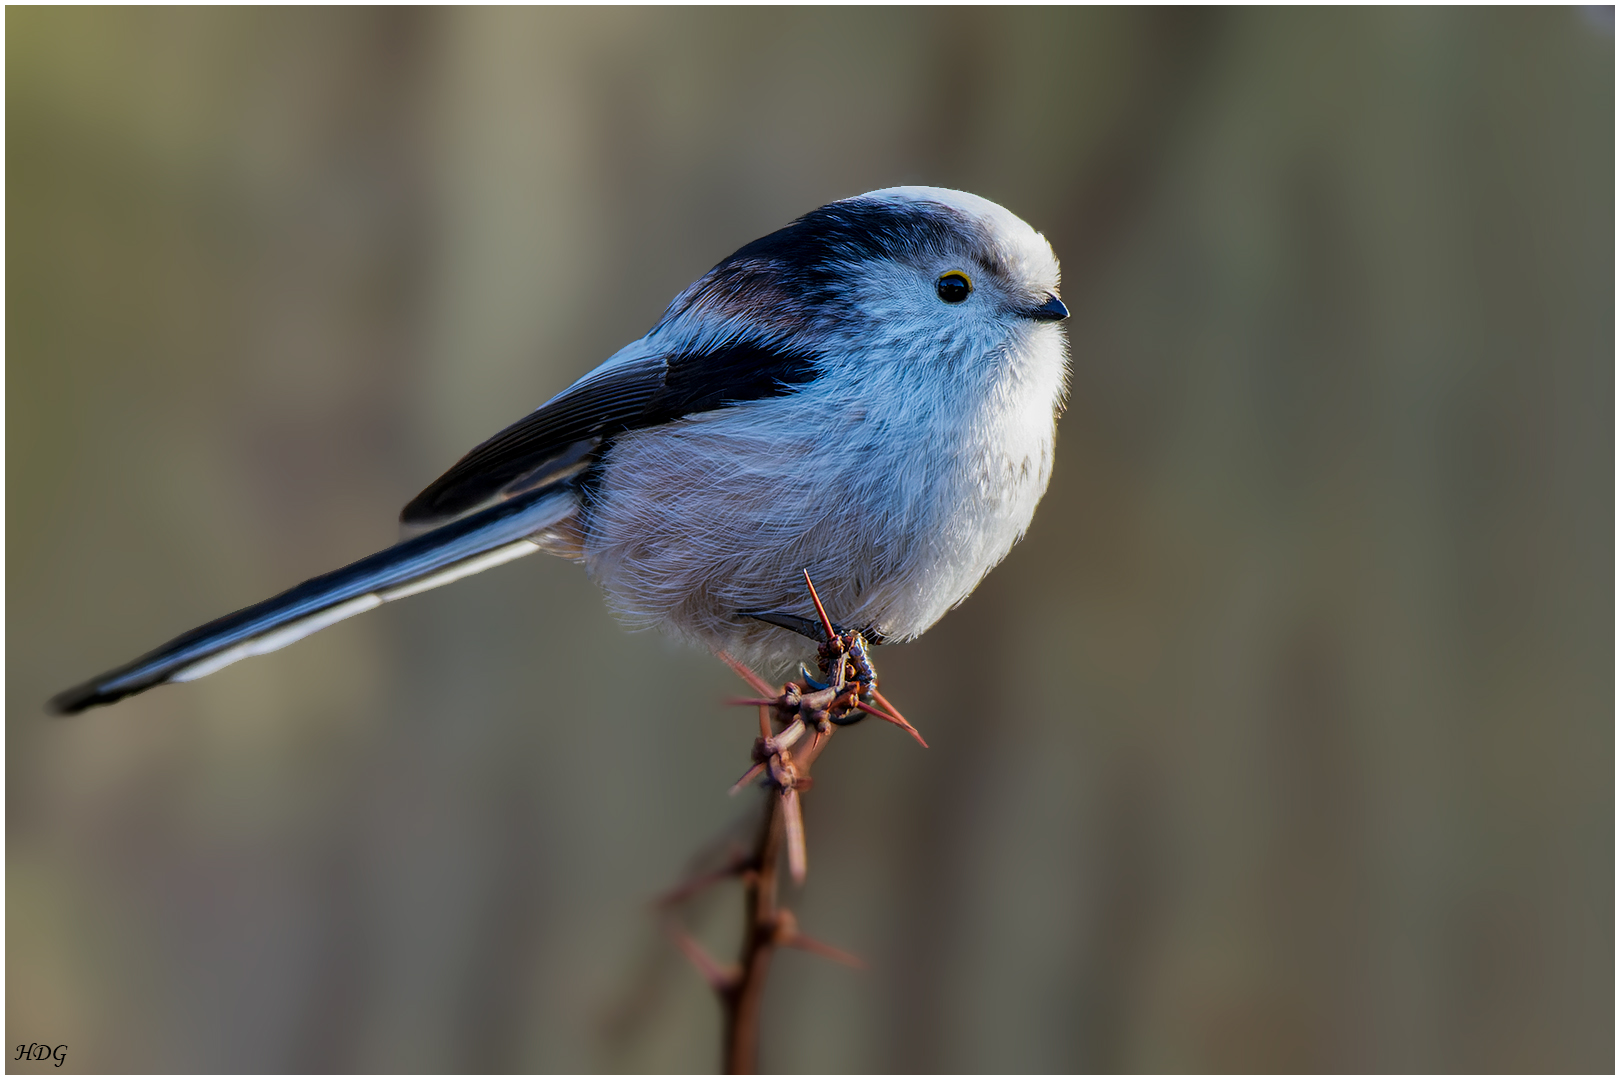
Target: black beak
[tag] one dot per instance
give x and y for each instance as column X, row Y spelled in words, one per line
column 1051, row 311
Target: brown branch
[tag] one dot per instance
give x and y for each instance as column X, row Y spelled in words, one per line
column 766, row 925
column 742, row 1003
column 805, row 715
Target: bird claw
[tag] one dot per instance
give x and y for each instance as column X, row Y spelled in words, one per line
column 797, row 623
column 849, row 693
column 806, row 678
column 810, row 628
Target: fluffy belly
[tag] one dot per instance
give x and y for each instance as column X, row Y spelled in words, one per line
column 698, row 520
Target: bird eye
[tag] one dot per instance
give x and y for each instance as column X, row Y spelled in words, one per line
column 953, row 287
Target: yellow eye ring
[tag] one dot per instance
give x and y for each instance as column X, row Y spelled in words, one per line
column 953, row 286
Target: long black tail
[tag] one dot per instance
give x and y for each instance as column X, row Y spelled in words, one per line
column 452, row 551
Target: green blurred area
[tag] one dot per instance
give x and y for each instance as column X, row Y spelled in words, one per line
column 1284, row 741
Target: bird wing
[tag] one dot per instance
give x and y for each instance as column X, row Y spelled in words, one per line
column 630, row 391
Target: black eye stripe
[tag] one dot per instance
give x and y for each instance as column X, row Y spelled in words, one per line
column 953, row 287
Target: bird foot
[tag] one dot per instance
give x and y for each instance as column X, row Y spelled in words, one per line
column 847, row 691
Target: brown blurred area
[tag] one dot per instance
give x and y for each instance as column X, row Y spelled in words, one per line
column 1289, row 744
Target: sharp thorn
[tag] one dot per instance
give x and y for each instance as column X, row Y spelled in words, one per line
column 821, row 948
column 746, row 674
column 871, row 710
column 886, row 703
column 737, row 864
column 898, row 715
column 826, row 623
column 747, row 778
column 720, row 977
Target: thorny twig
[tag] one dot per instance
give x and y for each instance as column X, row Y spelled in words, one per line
column 804, row 707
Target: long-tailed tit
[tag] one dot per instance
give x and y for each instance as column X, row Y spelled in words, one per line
column 868, row 394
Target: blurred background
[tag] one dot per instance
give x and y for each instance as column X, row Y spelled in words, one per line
column 1288, row 742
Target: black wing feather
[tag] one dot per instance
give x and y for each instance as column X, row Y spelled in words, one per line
column 559, row 433
column 571, row 428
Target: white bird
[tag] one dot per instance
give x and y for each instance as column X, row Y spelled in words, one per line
column 869, row 394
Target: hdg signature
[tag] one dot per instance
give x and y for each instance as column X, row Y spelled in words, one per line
column 41, row 1052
